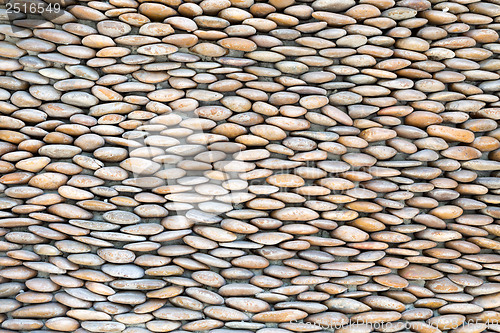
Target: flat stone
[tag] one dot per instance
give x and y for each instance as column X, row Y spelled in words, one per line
column 417, row 272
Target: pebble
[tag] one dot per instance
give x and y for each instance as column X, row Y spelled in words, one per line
column 279, row 316
column 267, row 167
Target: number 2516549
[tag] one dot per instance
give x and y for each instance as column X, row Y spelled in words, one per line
column 32, row 8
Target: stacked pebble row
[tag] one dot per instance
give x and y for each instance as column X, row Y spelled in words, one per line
column 239, row 166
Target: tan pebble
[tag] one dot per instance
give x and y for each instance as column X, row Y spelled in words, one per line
column 279, row 316
column 416, row 272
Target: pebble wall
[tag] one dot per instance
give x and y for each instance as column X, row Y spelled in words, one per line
column 240, row 166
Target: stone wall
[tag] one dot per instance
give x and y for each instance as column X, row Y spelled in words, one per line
column 235, row 166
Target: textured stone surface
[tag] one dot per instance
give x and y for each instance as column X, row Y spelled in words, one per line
column 240, row 166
